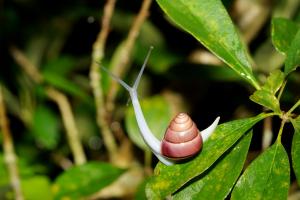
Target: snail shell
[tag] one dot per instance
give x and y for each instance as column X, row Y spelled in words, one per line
column 182, row 138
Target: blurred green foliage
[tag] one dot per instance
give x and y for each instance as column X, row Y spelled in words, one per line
column 58, row 36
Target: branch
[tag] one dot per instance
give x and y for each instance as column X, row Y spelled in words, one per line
column 293, row 108
column 69, row 123
column 95, row 81
column 124, row 58
column 60, row 99
column 99, row 45
column 26, row 65
column 9, row 153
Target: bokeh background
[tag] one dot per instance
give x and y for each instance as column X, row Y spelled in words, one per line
column 56, row 38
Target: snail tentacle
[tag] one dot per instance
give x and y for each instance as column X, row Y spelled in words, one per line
column 156, row 146
column 148, row 137
column 125, row 85
column 138, row 78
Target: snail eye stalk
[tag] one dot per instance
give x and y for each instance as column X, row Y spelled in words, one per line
column 182, row 138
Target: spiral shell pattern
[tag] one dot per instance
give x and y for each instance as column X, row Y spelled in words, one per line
column 182, row 138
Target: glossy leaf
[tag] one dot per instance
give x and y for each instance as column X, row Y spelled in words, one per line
column 37, row 187
column 266, row 99
column 45, row 127
column 283, row 33
column 267, row 177
column 168, row 179
column 293, row 55
column 296, row 148
column 209, row 22
column 86, row 179
column 157, row 114
column 220, row 178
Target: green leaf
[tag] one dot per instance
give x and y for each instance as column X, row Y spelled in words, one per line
column 3, row 171
column 140, row 193
column 218, row 181
column 266, row 99
column 168, row 179
column 66, row 85
column 296, row 123
column 283, row 33
column 296, row 148
column 267, row 177
column 86, row 179
column 293, row 55
column 61, row 65
column 266, row 95
column 209, row 22
column 37, row 187
column 45, row 127
column 25, row 169
column 157, row 114
column 274, row 81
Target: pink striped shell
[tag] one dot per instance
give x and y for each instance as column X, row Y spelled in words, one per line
column 182, row 138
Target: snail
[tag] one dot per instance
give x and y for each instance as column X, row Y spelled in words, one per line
column 182, row 139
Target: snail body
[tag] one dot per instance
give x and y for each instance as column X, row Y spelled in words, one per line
column 182, row 138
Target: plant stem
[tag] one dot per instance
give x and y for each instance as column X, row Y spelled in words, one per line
column 26, row 65
column 95, row 81
column 60, row 99
column 293, row 108
column 121, row 65
column 99, row 44
column 70, row 125
column 9, row 153
column 281, row 90
column 278, row 140
column 256, row 85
